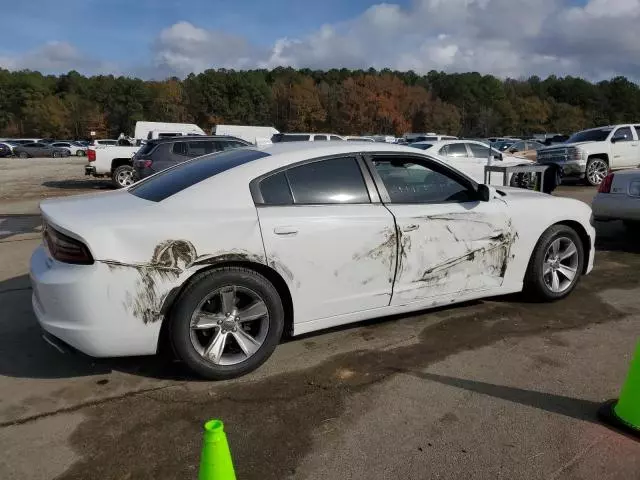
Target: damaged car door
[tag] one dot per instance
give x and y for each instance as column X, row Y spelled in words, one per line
column 327, row 234
column 451, row 241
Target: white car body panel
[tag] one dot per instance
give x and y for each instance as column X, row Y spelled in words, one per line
column 248, row 133
column 143, row 129
column 339, row 267
column 105, row 155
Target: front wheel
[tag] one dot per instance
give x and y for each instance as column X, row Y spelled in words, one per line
column 597, row 169
column 55, row 154
column 123, row 176
column 226, row 323
column 23, row 155
column 556, row 264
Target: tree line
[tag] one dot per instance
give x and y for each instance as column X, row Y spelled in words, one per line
column 348, row 102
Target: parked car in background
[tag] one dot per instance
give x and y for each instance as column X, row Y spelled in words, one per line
column 103, row 143
column 618, row 198
column 427, row 137
column 226, row 252
column 75, row 149
column 255, row 135
column 23, row 141
column 10, row 145
column 503, row 145
column 589, row 155
column 556, row 139
column 471, row 157
column 305, row 137
column 525, row 148
column 422, row 145
column 158, row 155
column 29, row 150
column 5, row 150
column 114, row 162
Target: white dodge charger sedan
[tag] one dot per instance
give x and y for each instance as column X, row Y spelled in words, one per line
column 223, row 253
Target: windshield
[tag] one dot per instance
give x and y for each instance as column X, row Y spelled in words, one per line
column 597, row 135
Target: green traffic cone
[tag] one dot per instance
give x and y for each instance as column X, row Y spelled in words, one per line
column 215, row 462
column 624, row 413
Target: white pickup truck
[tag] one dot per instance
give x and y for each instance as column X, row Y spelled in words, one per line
column 590, row 154
column 112, row 161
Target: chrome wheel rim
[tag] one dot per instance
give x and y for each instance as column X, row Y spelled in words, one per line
column 596, row 171
column 560, row 264
column 229, row 325
column 125, row 178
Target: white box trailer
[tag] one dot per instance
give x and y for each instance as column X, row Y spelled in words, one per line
column 153, row 130
column 248, row 133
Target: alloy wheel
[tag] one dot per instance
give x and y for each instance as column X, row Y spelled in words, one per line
column 125, row 178
column 596, row 171
column 560, row 264
column 229, row 325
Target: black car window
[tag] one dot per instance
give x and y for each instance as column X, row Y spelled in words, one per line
column 197, row 149
column 173, row 180
column 228, row 144
column 146, row 148
column 320, row 138
column 275, row 190
column 335, row 138
column 294, row 138
column 337, row 180
column 407, row 181
column 623, row 134
column 180, row 148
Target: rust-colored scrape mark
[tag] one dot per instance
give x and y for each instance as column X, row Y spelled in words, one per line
column 157, row 277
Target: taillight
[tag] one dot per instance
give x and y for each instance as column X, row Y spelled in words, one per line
column 91, row 155
column 605, row 186
column 143, row 163
column 64, row 248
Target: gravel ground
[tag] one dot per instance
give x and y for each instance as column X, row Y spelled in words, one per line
column 39, row 178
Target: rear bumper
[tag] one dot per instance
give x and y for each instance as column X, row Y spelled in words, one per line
column 613, row 206
column 143, row 172
column 85, row 307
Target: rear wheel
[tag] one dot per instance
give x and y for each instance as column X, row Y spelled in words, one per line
column 556, row 264
column 55, row 154
column 80, row 153
column 123, row 176
column 597, row 169
column 226, row 323
column 23, row 155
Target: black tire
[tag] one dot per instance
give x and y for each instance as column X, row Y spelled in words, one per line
column 195, row 292
column 632, row 227
column 80, row 153
column 119, row 174
column 23, row 155
column 592, row 163
column 535, row 286
column 55, row 154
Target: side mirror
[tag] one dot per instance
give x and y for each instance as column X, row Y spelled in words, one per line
column 497, row 156
column 485, row 192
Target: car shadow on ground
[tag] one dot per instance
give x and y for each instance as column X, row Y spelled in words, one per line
column 26, row 354
column 76, row 184
column 11, row 225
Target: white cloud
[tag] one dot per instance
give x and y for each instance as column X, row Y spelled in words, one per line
column 503, row 37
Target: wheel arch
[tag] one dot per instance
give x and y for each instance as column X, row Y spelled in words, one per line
column 584, row 237
column 118, row 162
column 602, row 156
column 269, row 273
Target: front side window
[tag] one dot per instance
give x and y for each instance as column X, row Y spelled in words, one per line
column 333, row 181
column 320, row 138
column 335, row 138
column 407, row 181
column 623, row 134
column 197, row 149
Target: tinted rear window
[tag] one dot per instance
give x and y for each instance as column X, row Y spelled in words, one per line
column 146, row 148
column 184, row 175
column 295, row 138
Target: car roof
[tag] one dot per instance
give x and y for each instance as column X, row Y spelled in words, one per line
column 183, row 138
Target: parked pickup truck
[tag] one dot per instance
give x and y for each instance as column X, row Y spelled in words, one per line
column 112, row 161
column 589, row 155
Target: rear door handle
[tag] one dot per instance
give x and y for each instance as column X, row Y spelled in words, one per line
column 285, row 231
column 410, row 228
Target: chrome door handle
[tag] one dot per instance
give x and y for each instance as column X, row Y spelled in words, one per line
column 410, row 228
column 285, row 231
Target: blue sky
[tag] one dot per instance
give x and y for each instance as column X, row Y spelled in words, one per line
column 119, row 29
column 158, row 38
